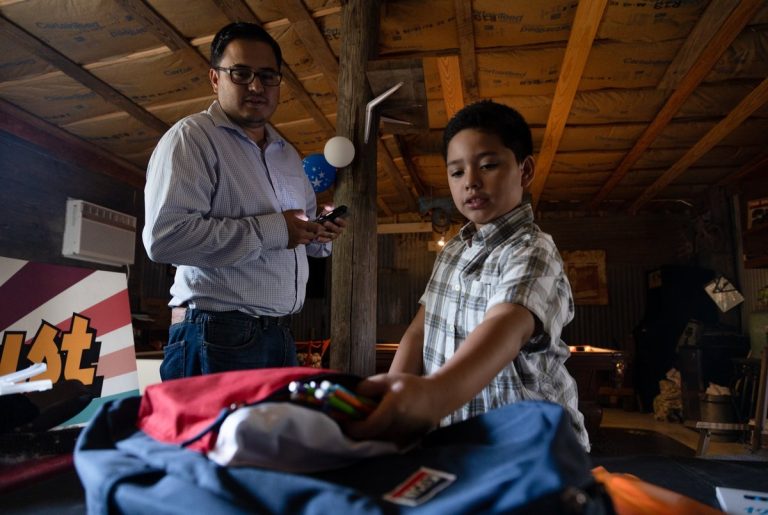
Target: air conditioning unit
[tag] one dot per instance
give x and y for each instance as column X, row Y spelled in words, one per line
column 97, row 234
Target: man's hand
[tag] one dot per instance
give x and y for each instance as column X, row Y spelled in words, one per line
column 331, row 230
column 300, row 231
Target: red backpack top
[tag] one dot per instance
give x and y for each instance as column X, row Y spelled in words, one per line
column 187, row 411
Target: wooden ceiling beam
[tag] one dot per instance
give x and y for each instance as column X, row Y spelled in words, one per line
column 751, row 103
column 421, row 190
column 710, row 22
column 450, row 82
column 583, row 31
column 156, row 24
column 465, row 28
column 717, row 45
column 21, row 37
column 66, row 146
column 394, row 173
column 306, row 28
column 758, row 163
column 238, row 10
column 384, row 207
column 300, row 94
column 404, row 228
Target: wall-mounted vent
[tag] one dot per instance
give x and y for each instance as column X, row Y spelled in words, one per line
column 95, row 233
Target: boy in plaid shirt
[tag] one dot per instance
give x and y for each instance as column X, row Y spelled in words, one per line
column 488, row 330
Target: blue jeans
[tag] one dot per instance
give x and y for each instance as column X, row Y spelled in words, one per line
column 206, row 342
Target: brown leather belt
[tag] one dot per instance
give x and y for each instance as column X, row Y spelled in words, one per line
column 179, row 313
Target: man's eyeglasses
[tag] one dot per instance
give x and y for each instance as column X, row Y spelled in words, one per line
column 244, row 76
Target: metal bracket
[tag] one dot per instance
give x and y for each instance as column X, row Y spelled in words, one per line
column 373, row 103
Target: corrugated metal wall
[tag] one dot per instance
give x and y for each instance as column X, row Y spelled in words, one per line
column 405, row 264
column 754, row 315
column 611, row 325
column 752, row 281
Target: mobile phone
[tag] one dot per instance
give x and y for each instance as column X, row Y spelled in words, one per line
column 339, row 212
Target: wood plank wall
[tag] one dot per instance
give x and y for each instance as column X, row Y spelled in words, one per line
column 33, row 196
column 35, row 188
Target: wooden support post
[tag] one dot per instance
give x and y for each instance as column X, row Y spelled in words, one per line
column 353, row 289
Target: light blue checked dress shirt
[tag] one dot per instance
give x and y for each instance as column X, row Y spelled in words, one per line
column 213, row 204
column 508, row 260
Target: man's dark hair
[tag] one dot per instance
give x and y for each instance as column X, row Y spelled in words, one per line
column 242, row 30
column 492, row 118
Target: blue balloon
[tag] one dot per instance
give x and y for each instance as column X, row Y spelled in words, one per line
column 320, row 172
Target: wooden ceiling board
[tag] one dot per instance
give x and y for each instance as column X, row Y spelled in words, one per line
column 83, row 30
column 16, row 62
column 658, row 78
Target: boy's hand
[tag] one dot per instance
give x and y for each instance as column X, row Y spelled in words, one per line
column 406, row 409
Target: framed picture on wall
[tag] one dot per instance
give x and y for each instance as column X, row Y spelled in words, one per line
column 757, row 213
column 586, row 273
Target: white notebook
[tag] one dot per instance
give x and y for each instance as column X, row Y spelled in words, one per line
column 733, row 500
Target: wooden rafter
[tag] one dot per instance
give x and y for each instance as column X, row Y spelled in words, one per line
column 696, row 41
column 403, row 228
column 236, row 10
column 317, row 46
column 758, row 163
column 756, row 99
column 300, row 94
column 156, row 24
column 19, row 36
column 166, row 32
column 465, row 28
column 421, row 190
column 394, row 173
column 67, row 146
column 717, row 45
column 450, row 81
column 583, row 31
column 383, row 206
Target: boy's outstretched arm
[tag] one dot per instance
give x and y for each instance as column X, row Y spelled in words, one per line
column 408, row 357
column 410, row 405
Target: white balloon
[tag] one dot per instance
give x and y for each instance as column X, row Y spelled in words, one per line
column 339, row 151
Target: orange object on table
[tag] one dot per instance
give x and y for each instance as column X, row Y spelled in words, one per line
column 633, row 496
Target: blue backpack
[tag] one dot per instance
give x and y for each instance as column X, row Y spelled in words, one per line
column 523, row 458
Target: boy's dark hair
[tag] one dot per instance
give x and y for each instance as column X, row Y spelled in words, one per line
column 493, row 118
column 242, row 30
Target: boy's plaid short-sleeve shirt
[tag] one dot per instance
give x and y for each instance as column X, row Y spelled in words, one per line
column 508, row 260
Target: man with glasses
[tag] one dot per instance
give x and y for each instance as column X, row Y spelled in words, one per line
column 228, row 203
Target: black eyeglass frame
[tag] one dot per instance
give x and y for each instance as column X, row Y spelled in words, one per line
column 271, row 83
